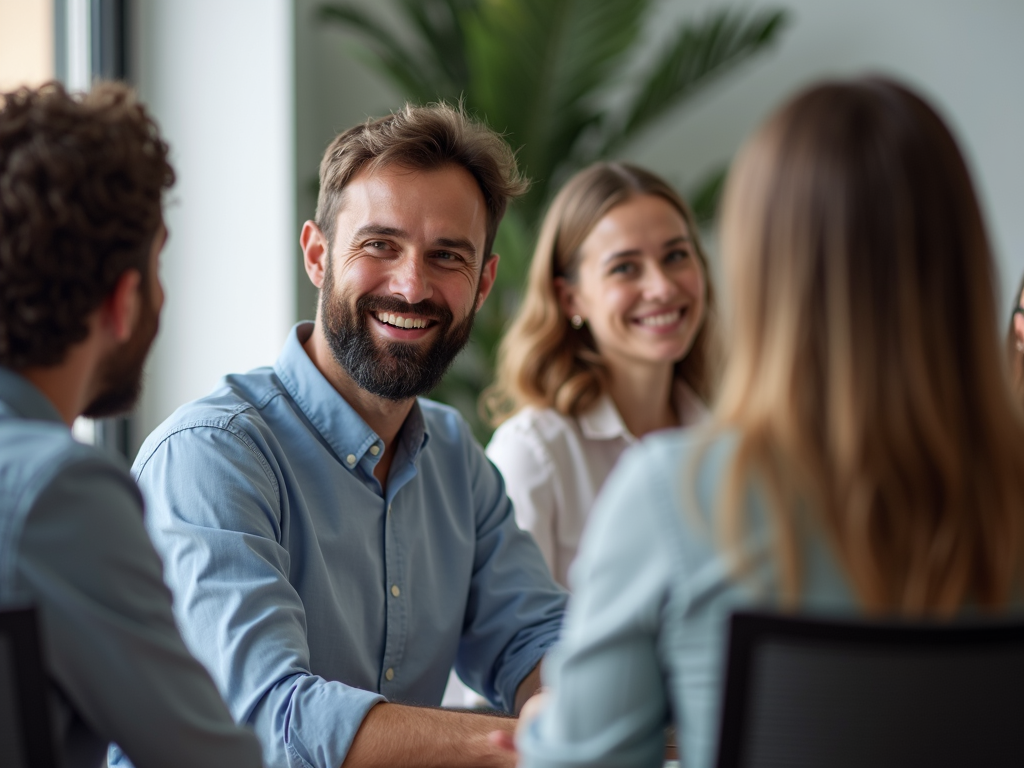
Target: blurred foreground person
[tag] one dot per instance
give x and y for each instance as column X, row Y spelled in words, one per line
column 81, row 230
column 864, row 453
column 613, row 342
column 1015, row 344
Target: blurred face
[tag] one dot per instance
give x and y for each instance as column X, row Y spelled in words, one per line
column 640, row 286
column 121, row 372
column 1018, row 322
column 405, row 277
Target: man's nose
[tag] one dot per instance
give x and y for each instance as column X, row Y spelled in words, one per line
column 409, row 279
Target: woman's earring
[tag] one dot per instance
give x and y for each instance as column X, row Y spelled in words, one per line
column 576, row 322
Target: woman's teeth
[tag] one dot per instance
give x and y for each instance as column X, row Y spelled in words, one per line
column 666, row 318
column 401, row 322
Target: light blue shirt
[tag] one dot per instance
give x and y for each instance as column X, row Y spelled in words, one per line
column 311, row 594
column 644, row 640
column 72, row 543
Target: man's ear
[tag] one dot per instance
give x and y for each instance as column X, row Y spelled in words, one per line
column 566, row 294
column 490, row 271
column 120, row 310
column 315, row 252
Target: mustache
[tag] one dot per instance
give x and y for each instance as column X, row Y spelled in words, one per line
column 425, row 308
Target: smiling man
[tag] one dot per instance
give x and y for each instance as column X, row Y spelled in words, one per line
column 334, row 543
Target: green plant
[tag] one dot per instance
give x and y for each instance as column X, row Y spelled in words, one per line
column 568, row 83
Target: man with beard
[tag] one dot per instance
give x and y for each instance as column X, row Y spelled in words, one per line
column 81, row 230
column 334, row 543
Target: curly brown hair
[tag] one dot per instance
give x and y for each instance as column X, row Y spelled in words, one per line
column 81, row 186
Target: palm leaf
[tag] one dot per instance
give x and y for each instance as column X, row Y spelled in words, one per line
column 700, row 53
column 439, row 24
column 412, row 71
column 538, row 68
column 705, row 195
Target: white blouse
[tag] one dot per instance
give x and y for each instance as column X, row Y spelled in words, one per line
column 554, row 466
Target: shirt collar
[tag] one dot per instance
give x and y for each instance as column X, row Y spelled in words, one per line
column 338, row 423
column 603, row 421
column 25, row 399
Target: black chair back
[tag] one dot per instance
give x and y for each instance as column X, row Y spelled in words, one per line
column 802, row 693
column 25, row 730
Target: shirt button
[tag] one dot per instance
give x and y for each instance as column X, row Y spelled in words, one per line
column 351, row 459
column 390, row 674
column 395, row 590
column 374, row 449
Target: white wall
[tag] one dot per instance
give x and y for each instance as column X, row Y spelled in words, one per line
column 219, row 77
column 967, row 58
column 26, row 43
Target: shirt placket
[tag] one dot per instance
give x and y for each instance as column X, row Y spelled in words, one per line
column 396, row 600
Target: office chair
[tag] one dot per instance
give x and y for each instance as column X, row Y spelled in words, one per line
column 25, row 732
column 803, row 693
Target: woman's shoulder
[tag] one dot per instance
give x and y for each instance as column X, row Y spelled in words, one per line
column 702, row 447
column 674, row 475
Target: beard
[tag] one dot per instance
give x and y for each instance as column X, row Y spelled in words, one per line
column 392, row 370
column 120, row 374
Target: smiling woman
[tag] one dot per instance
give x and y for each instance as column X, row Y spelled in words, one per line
column 614, row 340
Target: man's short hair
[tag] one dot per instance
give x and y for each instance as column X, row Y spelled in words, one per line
column 424, row 139
column 81, row 186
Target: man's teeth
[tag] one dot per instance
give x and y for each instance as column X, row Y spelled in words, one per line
column 662, row 319
column 401, row 322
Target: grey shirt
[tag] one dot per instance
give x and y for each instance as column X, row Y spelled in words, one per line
column 72, row 542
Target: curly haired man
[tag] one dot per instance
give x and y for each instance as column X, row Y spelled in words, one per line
column 81, row 230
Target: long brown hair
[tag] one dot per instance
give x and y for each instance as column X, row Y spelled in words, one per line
column 1014, row 355
column 865, row 376
column 542, row 360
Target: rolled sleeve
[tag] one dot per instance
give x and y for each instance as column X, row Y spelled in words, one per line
column 215, row 513
column 515, row 608
column 111, row 642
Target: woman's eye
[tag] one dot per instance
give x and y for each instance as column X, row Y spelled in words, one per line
column 677, row 255
column 623, row 268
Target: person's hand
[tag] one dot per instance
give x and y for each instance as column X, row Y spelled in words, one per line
column 530, row 710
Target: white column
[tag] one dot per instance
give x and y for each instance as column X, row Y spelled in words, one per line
column 219, row 77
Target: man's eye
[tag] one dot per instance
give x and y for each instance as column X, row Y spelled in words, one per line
column 377, row 245
column 447, row 256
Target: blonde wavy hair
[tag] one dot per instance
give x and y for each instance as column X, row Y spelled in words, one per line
column 866, row 381
column 542, row 360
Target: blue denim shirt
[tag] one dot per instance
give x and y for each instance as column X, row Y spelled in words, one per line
column 653, row 589
column 73, row 545
column 308, row 592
